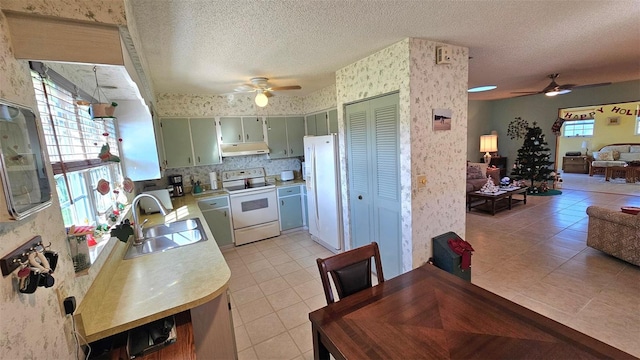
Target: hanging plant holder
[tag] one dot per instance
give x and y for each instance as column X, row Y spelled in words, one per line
column 100, row 109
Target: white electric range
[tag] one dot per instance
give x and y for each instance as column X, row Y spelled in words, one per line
column 254, row 206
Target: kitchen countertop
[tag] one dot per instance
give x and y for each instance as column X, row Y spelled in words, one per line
column 130, row 293
column 293, row 182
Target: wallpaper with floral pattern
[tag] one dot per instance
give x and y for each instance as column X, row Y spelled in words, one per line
column 185, row 105
column 33, row 326
column 408, row 67
column 322, row 99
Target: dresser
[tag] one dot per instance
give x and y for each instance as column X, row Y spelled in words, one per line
column 576, row 164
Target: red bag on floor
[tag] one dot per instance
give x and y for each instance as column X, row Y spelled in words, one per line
column 463, row 249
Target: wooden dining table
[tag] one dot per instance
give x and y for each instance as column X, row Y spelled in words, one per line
column 428, row 313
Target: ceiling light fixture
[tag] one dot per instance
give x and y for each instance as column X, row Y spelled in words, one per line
column 555, row 92
column 261, row 99
column 482, row 88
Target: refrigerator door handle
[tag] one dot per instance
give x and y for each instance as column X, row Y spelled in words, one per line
column 315, row 185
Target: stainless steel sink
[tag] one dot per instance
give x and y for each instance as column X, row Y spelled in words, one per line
column 168, row 236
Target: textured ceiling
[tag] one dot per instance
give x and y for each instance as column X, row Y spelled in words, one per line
column 211, row 47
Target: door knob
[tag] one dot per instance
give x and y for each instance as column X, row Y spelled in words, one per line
column 359, row 197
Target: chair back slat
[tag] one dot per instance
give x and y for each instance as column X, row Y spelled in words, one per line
column 350, row 271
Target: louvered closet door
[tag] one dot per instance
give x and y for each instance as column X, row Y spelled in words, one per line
column 359, row 158
column 386, row 182
column 374, row 181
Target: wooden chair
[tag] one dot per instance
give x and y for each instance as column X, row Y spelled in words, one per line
column 350, row 271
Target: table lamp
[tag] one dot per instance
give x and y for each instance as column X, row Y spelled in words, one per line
column 488, row 143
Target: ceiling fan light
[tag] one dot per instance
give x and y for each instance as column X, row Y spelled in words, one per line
column 564, row 91
column 552, row 93
column 261, row 99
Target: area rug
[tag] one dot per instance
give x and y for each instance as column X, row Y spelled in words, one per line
column 551, row 192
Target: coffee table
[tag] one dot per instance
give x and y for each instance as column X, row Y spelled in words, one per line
column 629, row 173
column 494, row 202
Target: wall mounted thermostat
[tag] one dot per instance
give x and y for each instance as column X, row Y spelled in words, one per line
column 443, row 55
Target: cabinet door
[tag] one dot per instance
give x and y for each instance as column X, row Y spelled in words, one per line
column 311, row 125
column 277, row 130
column 333, row 121
column 290, row 212
column 252, row 129
column 321, row 124
column 219, row 221
column 205, row 141
column 231, row 129
column 305, row 205
column 177, row 142
column 295, row 136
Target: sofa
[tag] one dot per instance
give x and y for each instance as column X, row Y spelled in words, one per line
column 613, row 155
column 477, row 174
column 615, row 233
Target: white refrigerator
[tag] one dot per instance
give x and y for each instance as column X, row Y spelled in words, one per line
column 322, row 178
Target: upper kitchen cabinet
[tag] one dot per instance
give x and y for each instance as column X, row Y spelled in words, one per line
column 190, row 142
column 205, row 141
column 322, row 123
column 333, row 121
column 237, row 129
column 285, row 136
column 139, row 153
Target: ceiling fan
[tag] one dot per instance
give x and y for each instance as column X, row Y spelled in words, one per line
column 260, row 86
column 554, row 89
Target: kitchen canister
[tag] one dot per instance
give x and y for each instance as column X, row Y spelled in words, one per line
column 213, row 178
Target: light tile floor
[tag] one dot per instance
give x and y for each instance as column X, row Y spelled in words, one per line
column 534, row 255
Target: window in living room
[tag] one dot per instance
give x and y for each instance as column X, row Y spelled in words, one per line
column 578, row 128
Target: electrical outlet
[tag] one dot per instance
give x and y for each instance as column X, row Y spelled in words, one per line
column 62, row 292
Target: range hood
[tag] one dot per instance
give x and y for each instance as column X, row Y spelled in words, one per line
column 241, row 149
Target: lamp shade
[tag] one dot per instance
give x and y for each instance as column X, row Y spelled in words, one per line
column 488, row 143
column 585, row 144
column 261, row 99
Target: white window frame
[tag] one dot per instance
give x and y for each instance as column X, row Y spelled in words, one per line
column 578, row 128
column 80, row 146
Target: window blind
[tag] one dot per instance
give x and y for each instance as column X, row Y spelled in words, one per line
column 79, row 138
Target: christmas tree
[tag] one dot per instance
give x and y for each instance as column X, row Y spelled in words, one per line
column 533, row 158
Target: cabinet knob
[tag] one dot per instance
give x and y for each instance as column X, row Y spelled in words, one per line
column 189, row 159
column 291, row 151
column 198, row 158
column 282, row 202
column 225, row 213
column 239, row 137
column 247, row 136
column 285, row 151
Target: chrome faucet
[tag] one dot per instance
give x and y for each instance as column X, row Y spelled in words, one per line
column 138, row 237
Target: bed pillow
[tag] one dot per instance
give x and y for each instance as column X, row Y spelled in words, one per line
column 605, row 156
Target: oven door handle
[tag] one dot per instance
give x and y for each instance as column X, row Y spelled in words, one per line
column 253, row 192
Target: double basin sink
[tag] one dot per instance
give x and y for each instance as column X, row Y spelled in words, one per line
column 167, row 236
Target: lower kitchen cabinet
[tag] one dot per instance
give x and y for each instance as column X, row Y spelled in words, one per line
column 305, row 207
column 290, row 207
column 217, row 214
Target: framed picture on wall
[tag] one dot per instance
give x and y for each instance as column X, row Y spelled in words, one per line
column 614, row 120
column 441, row 119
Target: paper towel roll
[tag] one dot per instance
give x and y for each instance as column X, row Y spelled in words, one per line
column 213, row 178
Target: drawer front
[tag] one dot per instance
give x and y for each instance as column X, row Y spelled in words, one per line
column 290, row 190
column 214, row 203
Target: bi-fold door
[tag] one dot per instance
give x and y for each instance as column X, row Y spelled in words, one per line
column 373, row 155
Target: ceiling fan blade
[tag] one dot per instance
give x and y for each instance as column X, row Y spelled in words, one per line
column 591, row 85
column 526, row 92
column 290, row 87
column 245, row 88
column 267, row 94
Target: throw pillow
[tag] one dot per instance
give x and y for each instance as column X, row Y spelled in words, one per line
column 634, row 149
column 605, row 156
column 616, row 155
column 474, row 173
